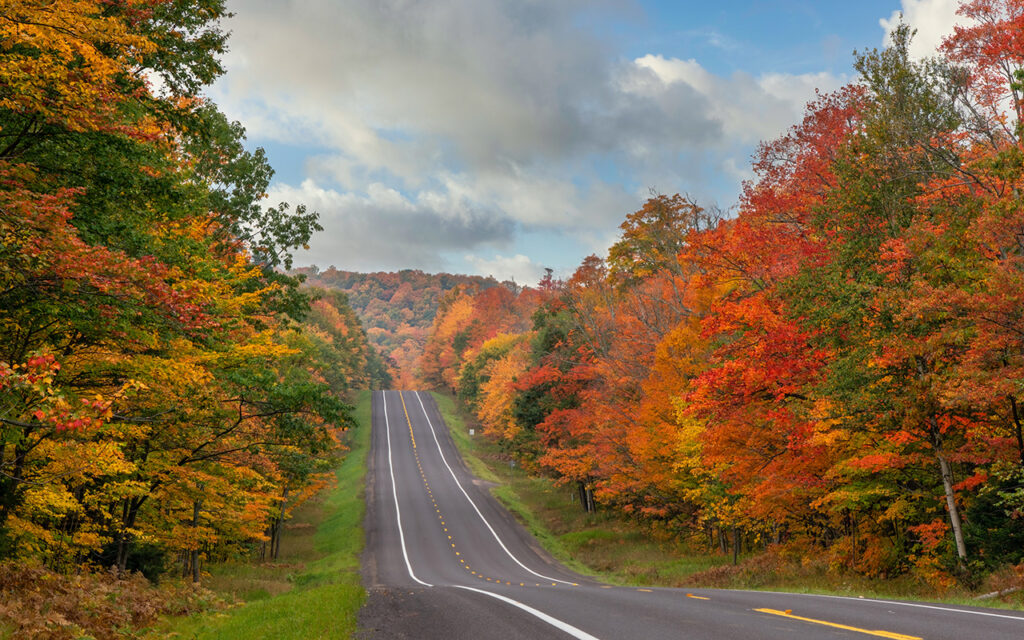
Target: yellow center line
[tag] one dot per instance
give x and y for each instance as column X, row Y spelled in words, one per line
column 870, row 632
column 440, row 517
column 406, row 410
column 690, row 595
column 645, row 590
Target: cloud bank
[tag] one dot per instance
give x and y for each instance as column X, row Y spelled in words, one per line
column 450, row 128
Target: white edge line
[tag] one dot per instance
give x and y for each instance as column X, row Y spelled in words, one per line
column 554, row 622
column 459, row 485
column 897, row 603
column 922, row 606
column 394, row 490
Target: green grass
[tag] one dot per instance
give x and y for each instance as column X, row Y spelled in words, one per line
column 315, row 590
column 465, row 443
column 622, row 551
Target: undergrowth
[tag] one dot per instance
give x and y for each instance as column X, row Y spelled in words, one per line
column 323, row 590
column 317, row 572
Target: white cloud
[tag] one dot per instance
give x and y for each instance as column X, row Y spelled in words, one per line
column 539, row 198
column 749, row 108
column 933, row 20
column 384, row 229
column 449, row 127
column 518, row 267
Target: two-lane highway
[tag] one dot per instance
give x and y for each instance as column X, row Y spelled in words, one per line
column 445, row 560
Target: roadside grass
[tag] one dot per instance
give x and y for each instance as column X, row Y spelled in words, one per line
column 453, row 417
column 314, row 590
column 598, row 544
column 626, row 552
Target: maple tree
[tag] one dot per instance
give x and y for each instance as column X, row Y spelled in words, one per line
column 837, row 366
column 167, row 393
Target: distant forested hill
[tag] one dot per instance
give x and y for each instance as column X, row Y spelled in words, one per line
column 396, row 308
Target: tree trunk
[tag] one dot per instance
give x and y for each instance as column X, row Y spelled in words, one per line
column 194, row 552
column 954, row 511
column 129, row 512
column 1018, row 430
column 853, row 531
column 275, row 541
column 10, row 482
column 735, row 545
column 947, row 476
column 586, row 497
column 947, row 485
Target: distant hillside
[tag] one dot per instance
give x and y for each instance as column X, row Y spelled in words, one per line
column 396, row 308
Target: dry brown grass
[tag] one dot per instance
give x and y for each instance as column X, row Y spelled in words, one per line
column 39, row 603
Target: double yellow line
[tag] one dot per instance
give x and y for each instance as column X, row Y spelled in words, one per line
column 407, row 420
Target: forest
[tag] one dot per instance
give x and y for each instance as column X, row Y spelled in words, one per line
column 167, row 395
column 397, row 308
column 835, row 368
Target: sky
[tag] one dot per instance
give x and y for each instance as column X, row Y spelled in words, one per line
column 500, row 137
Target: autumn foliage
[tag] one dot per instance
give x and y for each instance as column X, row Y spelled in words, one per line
column 837, row 366
column 397, row 309
column 167, row 396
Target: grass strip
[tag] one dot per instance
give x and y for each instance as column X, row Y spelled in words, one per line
column 316, row 592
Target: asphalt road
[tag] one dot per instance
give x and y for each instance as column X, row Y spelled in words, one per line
column 445, row 560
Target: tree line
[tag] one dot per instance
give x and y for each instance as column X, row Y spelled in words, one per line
column 836, row 366
column 397, row 308
column 167, row 394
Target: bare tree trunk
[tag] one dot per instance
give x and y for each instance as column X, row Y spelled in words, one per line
column 194, row 555
column 954, row 511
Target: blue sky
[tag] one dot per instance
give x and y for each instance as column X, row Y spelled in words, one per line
column 504, row 136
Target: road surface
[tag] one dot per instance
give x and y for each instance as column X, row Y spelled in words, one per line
column 445, row 560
